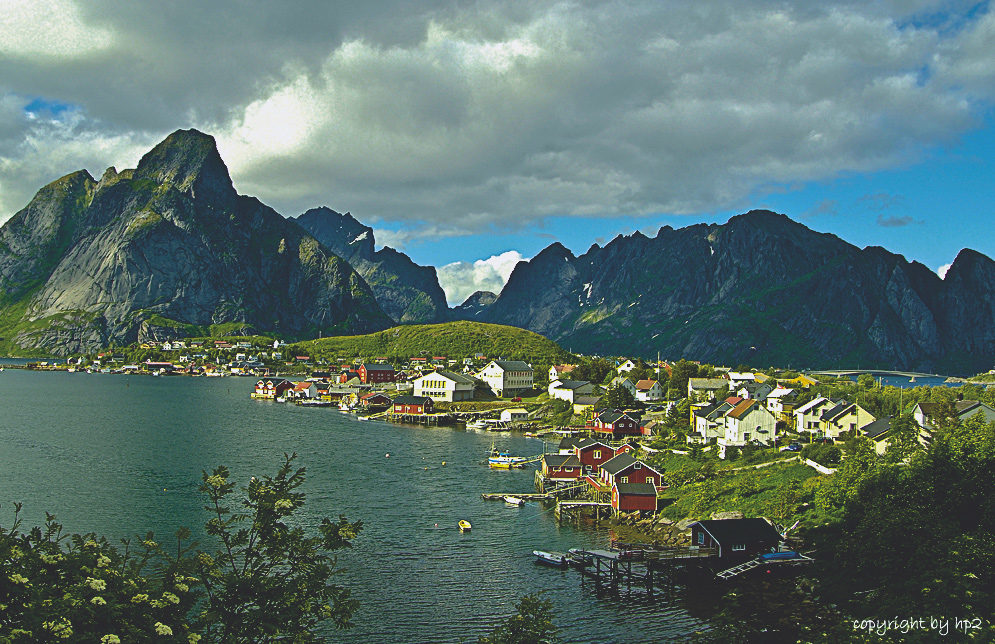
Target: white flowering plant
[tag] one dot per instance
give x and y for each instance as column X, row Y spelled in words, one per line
column 269, row 580
column 77, row 588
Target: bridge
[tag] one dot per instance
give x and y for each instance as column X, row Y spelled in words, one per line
column 840, row 373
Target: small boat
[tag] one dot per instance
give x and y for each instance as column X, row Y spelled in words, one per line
column 464, row 525
column 514, row 500
column 310, row 402
column 551, row 558
column 477, row 424
column 504, row 460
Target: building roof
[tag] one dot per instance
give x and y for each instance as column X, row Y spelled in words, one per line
column 587, row 400
column 728, row 531
column 512, row 365
column 618, row 463
column 841, row 409
column 559, row 460
column 646, row 385
column 458, row 378
column 411, row 400
column 743, row 408
column 569, row 442
column 584, row 443
column 569, row 384
column 812, row 404
column 516, row 410
column 707, row 383
column 877, row 429
column 378, row 367
column 642, row 489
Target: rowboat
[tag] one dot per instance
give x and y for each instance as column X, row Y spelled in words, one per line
column 514, row 500
column 464, row 525
column 551, row 558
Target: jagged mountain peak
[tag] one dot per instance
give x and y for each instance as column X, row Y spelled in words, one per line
column 189, row 161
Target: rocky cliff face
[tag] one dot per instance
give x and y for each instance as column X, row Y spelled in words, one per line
column 168, row 244
column 760, row 289
column 409, row 293
column 474, row 307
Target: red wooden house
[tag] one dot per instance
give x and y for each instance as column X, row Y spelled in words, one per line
column 272, row 388
column 561, row 467
column 592, row 454
column 630, row 497
column 616, row 423
column 374, row 399
column 413, row 405
column 736, row 538
column 625, row 469
column 375, row 373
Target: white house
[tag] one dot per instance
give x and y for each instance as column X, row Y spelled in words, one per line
column 444, row 386
column 808, row 416
column 747, row 422
column 926, row 413
column 507, row 377
column 626, row 366
column 559, row 371
column 628, row 383
column 737, row 378
column 514, row 415
column 775, row 400
column 647, row 390
column 570, row 390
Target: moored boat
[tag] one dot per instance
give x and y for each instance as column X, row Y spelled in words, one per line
column 504, row 460
column 514, row 500
column 464, row 525
column 550, row 558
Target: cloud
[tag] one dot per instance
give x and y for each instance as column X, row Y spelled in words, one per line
column 460, row 280
column 942, row 271
column 897, row 222
column 882, row 201
column 475, row 116
column 827, row 207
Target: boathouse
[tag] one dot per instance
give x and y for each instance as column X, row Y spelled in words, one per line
column 736, row 538
column 616, row 423
column 413, row 405
column 626, row 469
column 272, row 388
column 561, row 467
column 375, row 399
column 631, row 497
column 592, row 454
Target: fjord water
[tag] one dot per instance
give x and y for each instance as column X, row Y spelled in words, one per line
column 121, row 455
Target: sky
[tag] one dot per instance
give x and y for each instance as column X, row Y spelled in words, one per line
column 470, row 135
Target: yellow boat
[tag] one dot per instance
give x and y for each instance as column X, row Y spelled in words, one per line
column 464, row 526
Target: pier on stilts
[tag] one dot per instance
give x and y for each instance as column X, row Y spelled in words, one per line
column 640, row 568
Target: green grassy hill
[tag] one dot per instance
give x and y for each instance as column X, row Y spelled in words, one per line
column 451, row 339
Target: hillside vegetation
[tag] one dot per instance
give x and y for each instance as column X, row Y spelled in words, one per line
column 450, row 339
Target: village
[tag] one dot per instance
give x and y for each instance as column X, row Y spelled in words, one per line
column 612, row 436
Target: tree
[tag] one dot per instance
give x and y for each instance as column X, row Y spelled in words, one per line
column 618, row 397
column 866, row 381
column 532, row 624
column 266, row 582
column 680, row 373
column 903, row 439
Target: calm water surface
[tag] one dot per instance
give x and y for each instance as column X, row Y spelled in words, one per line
column 120, row 455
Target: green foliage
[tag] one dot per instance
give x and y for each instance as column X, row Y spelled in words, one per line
column 903, row 439
column 823, row 454
column 532, row 624
column 597, row 370
column 267, row 581
column 80, row 588
column 617, row 397
column 452, row 339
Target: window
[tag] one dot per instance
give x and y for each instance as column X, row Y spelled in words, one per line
column 701, row 538
column 625, row 479
column 639, row 466
column 738, row 546
column 597, row 453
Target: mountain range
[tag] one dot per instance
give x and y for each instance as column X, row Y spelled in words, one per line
column 169, row 249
